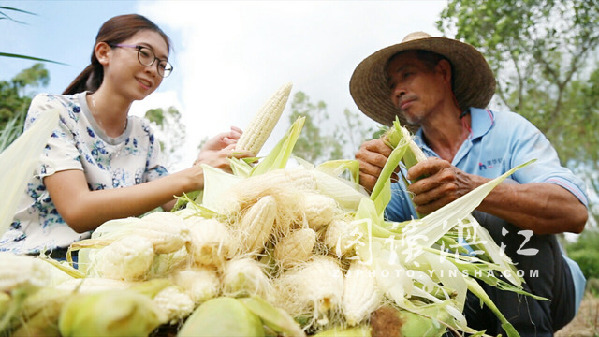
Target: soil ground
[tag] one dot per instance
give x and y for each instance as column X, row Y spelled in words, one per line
column 586, row 322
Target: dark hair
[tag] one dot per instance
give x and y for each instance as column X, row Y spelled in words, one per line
column 113, row 31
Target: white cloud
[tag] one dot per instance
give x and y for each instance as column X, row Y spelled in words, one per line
column 234, row 55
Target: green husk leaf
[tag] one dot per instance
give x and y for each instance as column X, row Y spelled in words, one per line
column 108, row 313
column 25, row 151
column 477, row 290
column 275, row 318
column 381, row 192
column 216, row 183
column 183, row 200
column 222, row 316
column 277, row 158
column 337, row 167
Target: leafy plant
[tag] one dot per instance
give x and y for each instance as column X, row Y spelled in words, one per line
column 544, row 56
column 322, row 140
column 584, row 251
column 4, row 16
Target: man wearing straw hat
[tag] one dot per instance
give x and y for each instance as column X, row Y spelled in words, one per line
column 441, row 87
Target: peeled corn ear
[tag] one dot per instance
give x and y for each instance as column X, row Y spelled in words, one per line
column 127, row 259
column 296, row 247
column 360, row 293
column 200, row 284
column 22, row 270
column 322, row 297
column 256, row 134
column 173, row 304
column 319, row 210
column 245, row 276
column 255, row 226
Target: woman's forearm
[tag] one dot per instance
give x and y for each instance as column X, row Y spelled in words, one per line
column 85, row 210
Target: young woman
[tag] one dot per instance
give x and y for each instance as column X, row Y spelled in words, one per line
column 100, row 163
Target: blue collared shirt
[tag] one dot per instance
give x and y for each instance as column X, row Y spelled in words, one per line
column 499, row 141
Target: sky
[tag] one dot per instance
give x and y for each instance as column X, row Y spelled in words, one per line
column 228, row 56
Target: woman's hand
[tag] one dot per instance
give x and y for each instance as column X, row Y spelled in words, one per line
column 222, row 140
column 217, row 150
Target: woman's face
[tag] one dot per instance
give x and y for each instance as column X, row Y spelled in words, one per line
column 124, row 71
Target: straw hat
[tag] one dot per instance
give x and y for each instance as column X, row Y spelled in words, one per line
column 473, row 81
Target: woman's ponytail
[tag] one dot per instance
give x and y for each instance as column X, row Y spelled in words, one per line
column 88, row 80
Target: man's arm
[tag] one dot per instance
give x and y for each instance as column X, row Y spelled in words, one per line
column 545, row 208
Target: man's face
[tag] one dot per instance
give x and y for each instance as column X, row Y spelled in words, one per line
column 417, row 88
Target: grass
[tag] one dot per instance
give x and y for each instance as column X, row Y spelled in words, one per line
column 11, row 132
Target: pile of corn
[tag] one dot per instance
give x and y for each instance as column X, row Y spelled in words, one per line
column 268, row 250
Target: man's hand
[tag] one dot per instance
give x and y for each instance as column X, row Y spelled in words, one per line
column 435, row 183
column 372, row 157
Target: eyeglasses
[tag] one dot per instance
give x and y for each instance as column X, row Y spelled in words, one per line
column 146, row 58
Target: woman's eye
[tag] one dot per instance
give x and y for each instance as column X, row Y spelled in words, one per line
column 144, row 52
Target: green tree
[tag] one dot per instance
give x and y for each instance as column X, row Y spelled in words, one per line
column 15, row 100
column 544, row 55
column 170, row 131
column 324, row 139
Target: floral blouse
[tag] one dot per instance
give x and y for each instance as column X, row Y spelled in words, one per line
column 78, row 143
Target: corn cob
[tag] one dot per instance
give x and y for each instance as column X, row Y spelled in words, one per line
column 418, row 154
column 341, row 237
column 321, row 298
column 173, row 304
column 165, row 230
column 199, row 284
column 164, row 264
column 17, row 270
column 295, row 247
column 264, row 121
column 360, row 293
column 209, row 239
column 255, row 226
column 127, row 259
column 245, row 276
column 319, row 210
column 283, row 184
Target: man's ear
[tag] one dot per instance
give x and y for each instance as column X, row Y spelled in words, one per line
column 102, row 51
column 444, row 68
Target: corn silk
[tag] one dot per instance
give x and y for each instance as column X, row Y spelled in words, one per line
column 278, row 247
